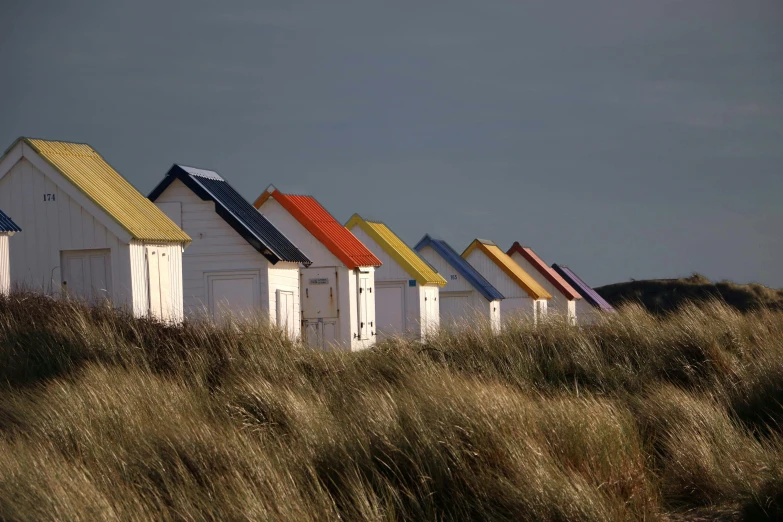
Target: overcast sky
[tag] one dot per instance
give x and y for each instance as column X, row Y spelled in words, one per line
column 623, row 138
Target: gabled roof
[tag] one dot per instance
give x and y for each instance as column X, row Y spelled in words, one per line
column 7, row 224
column 324, row 227
column 236, row 211
column 464, row 268
column 590, row 295
column 409, row 260
column 86, row 170
column 543, row 269
column 509, row 266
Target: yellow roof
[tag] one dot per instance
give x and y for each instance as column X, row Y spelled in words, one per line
column 510, row 267
column 90, row 173
column 399, row 251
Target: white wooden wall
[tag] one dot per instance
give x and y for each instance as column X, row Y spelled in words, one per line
column 5, row 268
column 218, row 248
column 456, row 283
column 347, row 297
column 516, row 301
column 559, row 304
column 284, row 276
column 391, row 271
column 585, row 312
column 52, row 221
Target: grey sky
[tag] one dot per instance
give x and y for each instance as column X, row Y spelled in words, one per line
column 623, row 138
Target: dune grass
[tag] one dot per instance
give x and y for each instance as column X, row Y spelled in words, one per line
column 640, row 417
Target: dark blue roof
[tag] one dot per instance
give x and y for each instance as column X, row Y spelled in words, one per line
column 236, row 211
column 464, row 268
column 590, row 295
column 7, row 225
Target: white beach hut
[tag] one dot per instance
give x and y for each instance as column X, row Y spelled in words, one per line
column 7, row 229
column 87, row 232
column 238, row 263
column 406, row 287
column 523, row 295
column 337, row 290
column 467, row 293
column 564, row 297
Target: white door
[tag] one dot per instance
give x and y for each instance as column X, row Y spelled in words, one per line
column 320, row 334
column 365, row 320
column 87, row 274
column 158, row 281
column 431, row 316
column 454, row 307
column 286, row 315
column 390, row 309
column 319, row 292
column 313, row 334
column 233, row 294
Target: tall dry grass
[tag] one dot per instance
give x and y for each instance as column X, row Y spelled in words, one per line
column 106, row 417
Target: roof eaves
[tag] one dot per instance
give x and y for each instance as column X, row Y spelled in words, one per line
column 546, row 271
column 366, row 226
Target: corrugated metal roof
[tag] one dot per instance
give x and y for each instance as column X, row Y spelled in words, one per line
column 464, row 268
column 409, row 260
column 7, row 224
column 324, row 227
column 590, row 295
column 543, row 269
column 88, row 171
column 510, row 267
column 236, row 211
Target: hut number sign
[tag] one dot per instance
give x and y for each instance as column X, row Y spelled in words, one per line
column 453, row 277
column 319, row 281
column 49, row 197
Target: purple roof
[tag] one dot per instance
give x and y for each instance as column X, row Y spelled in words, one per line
column 590, row 295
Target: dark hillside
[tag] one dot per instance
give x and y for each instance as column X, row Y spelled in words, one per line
column 667, row 295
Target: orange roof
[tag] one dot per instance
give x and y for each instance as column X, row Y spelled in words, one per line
column 324, row 227
column 551, row 276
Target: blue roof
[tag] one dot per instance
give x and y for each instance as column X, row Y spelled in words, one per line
column 459, row 264
column 236, row 211
column 590, row 295
column 7, row 224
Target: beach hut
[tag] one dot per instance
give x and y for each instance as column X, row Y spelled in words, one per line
column 239, row 263
column 589, row 308
column 523, row 295
column 467, row 293
column 87, row 232
column 7, row 229
column 406, row 287
column 564, row 297
column 337, row 290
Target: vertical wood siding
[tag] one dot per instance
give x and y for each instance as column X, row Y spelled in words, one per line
column 517, row 301
column 456, row 283
column 284, row 276
column 5, row 267
column 391, row 271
